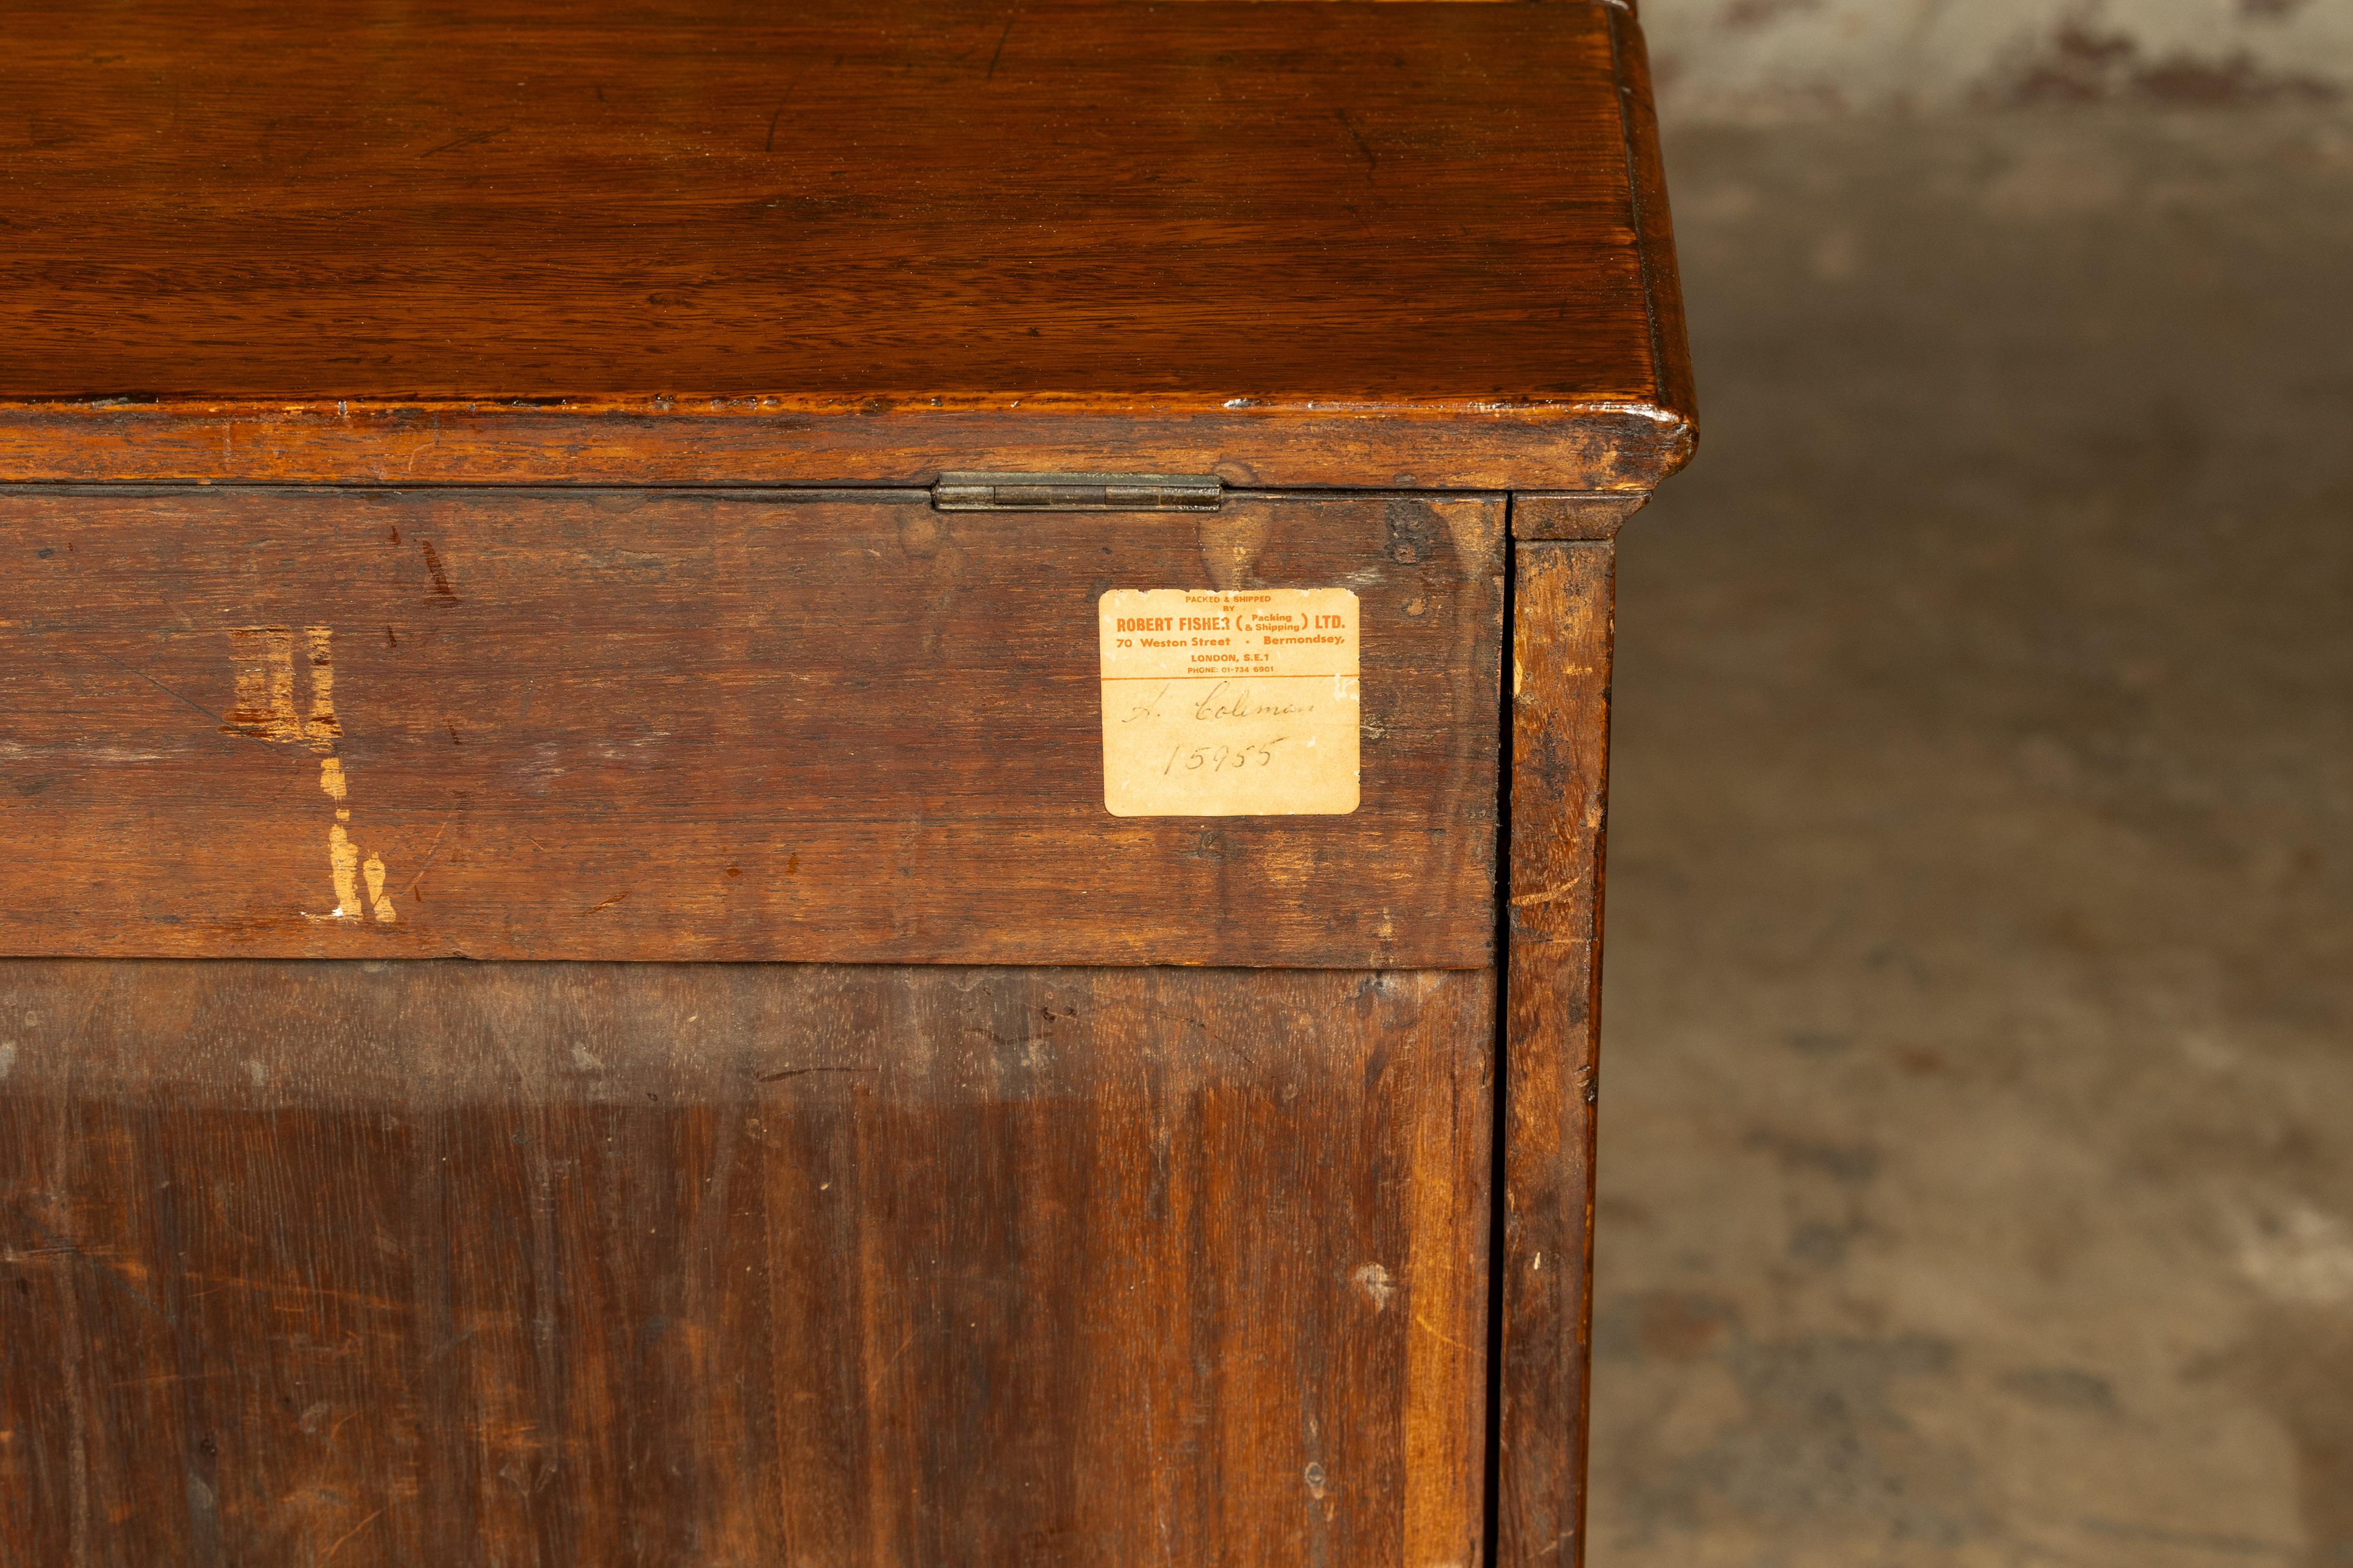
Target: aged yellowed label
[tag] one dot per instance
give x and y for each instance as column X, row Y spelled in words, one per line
column 1241, row 704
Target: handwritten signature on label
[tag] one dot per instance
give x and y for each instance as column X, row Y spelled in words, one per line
column 1230, row 704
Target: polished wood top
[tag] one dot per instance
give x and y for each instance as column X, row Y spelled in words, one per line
column 708, row 239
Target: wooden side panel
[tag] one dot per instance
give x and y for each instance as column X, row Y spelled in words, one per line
column 576, row 1264
column 1560, row 728
column 639, row 725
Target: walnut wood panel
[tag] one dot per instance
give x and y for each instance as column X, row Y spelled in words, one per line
column 717, row 240
column 576, row 1264
column 1560, row 741
column 720, row 726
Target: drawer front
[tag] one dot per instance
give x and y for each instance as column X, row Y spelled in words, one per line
column 810, row 726
column 388, row 1264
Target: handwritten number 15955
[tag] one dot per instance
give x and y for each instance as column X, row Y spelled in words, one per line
column 1221, row 758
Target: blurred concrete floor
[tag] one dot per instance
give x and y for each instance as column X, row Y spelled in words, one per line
column 1978, row 1088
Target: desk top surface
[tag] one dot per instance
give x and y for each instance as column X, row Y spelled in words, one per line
column 1302, row 223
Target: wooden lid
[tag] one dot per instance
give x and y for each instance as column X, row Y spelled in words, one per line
column 710, row 241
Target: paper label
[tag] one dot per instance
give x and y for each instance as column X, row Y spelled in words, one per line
column 1241, row 704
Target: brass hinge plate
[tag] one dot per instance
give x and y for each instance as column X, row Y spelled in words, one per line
column 1077, row 492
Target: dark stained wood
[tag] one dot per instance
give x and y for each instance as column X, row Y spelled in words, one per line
column 717, row 240
column 1662, row 290
column 635, row 725
column 1560, row 739
column 676, row 444
column 579, row 1265
column 458, row 477
column 1587, row 515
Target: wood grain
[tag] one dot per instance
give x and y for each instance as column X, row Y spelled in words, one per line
column 1560, row 740
column 714, row 240
column 1662, row 290
column 412, row 421
column 581, row 1264
column 1538, row 515
column 632, row 725
column 662, row 441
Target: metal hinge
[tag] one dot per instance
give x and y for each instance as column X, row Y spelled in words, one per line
column 1077, row 492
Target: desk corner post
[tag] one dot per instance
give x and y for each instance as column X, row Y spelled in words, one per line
column 1559, row 734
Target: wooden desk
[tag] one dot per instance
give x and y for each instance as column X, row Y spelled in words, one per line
column 683, row 502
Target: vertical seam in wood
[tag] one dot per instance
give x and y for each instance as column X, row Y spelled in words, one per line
column 1592, row 1089
column 1500, row 1060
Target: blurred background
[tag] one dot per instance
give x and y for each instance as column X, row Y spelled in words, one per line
column 1976, row 1177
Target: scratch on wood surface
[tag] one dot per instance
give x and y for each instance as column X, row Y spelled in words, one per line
column 602, row 904
column 782, row 103
column 875, row 1382
column 430, row 849
column 1372, row 163
column 1550, row 895
column 441, row 588
column 472, row 139
column 158, row 685
column 346, row 1535
column 1434, row 1331
column 164, row 1379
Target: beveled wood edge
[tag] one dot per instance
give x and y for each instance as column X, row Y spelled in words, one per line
column 1674, row 394
column 1537, row 514
column 1595, row 447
